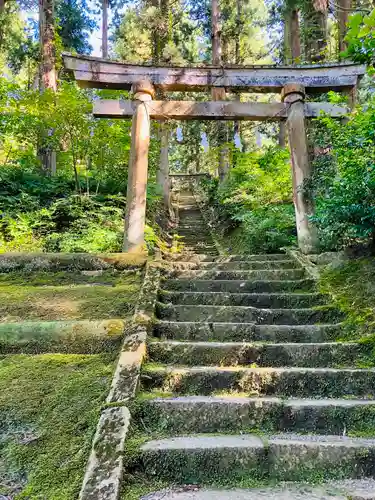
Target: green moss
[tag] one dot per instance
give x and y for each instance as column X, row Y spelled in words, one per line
column 27, row 302
column 44, row 278
column 49, row 408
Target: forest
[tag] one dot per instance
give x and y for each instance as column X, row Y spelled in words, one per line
column 64, row 174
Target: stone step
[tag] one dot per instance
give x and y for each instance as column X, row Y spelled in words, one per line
column 205, row 331
column 349, row 489
column 238, row 265
column 199, row 257
column 290, row 381
column 259, row 274
column 236, row 286
column 263, row 300
column 313, row 355
column 247, row 314
column 207, row 458
column 190, row 414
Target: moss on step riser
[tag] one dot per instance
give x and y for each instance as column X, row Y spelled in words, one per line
column 85, row 337
column 303, row 355
column 263, row 300
column 237, row 266
column 267, row 274
column 276, row 460
column 238, row 314
column 191, row 415
column 238, row 286
column 227, row 332
column 302, row 382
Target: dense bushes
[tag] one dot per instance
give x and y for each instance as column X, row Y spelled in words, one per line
column 256, row 199
column 344, row 179
column 81, row 208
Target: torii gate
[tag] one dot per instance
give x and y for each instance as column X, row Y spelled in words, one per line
column 294, row 82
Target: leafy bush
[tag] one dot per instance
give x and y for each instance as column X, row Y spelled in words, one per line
column 255, row 199
column 344, row 179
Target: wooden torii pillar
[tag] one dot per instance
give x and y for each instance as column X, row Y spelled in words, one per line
column 135, row 215
column 294, row 96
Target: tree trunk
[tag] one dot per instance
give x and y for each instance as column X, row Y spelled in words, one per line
column 2, row 6
column 315, row 20
column 48, row 77
column 104, row 29
column 343, row 10
column 218, row 94
column 295, row 36
column 238, row 60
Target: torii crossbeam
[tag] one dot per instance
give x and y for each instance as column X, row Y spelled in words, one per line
column 294, row 82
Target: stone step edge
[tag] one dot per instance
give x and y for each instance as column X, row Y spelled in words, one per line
column 182, row 369
column 250, row 324
column 238, row 400
column 241, row 294
column 234, row 441
column 224, row 345
column 276, row 310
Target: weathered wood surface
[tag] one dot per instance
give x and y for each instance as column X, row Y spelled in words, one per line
column 100, row 73
column 211, row 110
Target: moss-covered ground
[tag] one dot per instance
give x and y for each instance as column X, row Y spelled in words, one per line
column 49, row 408
column 67, row 296
column 50, row 403
column 351, row 285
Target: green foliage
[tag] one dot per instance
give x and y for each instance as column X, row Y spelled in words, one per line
column 351, row 284
column 360, row 37
column 344, row 179
column 256, row 198
column 81, row 209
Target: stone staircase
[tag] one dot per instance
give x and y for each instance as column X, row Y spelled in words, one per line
column 249, row 382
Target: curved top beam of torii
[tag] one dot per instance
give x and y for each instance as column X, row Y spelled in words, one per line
column 95, row 72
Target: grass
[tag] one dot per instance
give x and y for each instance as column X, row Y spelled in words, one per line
column 49, row 408
column 109, row 296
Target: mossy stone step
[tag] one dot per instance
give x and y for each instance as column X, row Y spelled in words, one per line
column 313, row 355
column 290, row 381
column 259, row 274
column 245, row 332
column 77, row 337
column 247, row 314
column 207, row 458
column 355, row 489
column 191, row 414
column 263, row 300
column 238, row 286
column 239, row 265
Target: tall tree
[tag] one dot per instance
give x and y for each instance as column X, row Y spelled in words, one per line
column 343, row 9
column 48, row 76
column 105, row 5
column 75, row 25
column 315, row 29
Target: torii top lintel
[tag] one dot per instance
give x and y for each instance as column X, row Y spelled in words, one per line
column 102, row 73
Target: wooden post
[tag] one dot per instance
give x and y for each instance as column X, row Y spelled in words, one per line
column 138, row 166
column 162, row 175
column 294, row 95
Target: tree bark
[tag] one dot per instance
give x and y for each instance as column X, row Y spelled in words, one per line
column 104, row 29
column 295, row 36
column 343, row 10
column 48, row 77
column 218, row 94
column 2, row 6
column 315, row 18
